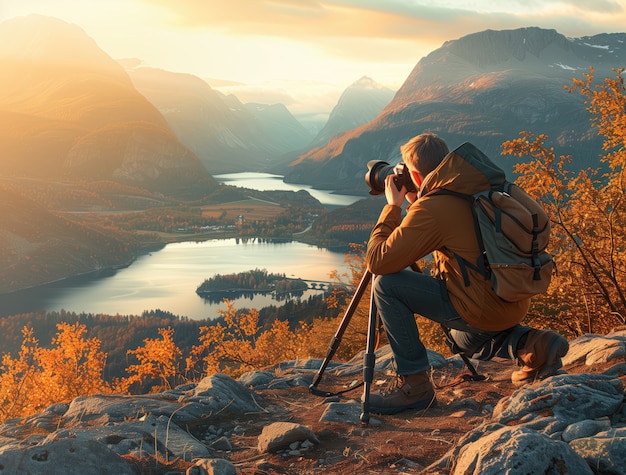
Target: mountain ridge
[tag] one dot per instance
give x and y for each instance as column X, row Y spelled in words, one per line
column 224, row 133
column 359, row 103
column 76, row 114
column 484, row 88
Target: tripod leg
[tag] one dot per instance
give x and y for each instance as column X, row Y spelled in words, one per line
column 369, row 359
column 475, row 375
column 334, row 344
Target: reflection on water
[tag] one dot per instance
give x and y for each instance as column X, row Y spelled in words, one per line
column 168, row 279
column 218, row 296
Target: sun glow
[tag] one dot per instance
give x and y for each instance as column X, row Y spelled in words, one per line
column 283, row 47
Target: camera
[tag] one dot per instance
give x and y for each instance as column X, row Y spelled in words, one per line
column 377, row 171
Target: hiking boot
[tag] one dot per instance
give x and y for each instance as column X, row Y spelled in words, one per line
column 410, row 391
column 540, row 357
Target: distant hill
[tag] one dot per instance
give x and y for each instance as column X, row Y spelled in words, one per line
column 225, row 134
column 484, row 88
column 39, row 246
column 361, row 102
column 69, row 111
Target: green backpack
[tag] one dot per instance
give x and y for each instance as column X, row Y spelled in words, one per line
column 512, row 229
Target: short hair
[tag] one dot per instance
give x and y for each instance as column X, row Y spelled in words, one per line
column 425, row 152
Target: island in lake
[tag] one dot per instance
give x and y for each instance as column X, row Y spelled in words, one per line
column 249, row 283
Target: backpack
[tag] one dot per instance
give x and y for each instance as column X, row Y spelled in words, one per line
column 512, row 230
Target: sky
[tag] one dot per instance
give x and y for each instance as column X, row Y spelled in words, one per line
column 305, row 53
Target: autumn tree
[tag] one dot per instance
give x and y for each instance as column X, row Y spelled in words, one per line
column 19, row 394
column 39, row 377
column 587, row 214
column 158, row 364
column 74, row 365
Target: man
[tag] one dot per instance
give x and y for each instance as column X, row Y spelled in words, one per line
column 481, row 324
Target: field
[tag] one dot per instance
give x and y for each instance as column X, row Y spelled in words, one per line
column 250, row 209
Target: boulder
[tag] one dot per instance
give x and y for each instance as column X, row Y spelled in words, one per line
column 64, row 457
column 518, row 451
column 606, row 451
column 559, row 401
column 280, row 435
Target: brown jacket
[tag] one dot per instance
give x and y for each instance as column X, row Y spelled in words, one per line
column 443, row 225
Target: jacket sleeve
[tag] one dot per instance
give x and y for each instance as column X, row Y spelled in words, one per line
column 396, row 243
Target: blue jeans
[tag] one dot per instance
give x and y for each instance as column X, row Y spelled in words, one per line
column 401, row 295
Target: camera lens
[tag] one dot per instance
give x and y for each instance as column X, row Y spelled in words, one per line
column 378, row 171
column 376, row 174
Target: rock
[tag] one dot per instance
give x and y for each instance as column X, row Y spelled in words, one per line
column 605, row 452
column 559, row 401
column 221, row 393
column 256, row 379
column 578, row 418
column 529, row 430
column 214, row 394
column 112, row 408
column 348, row 412
column 518, row 451
column 222, row 444
column 64, row 457
column 384, row 361
column 593, row 349
column 585, row 428
column 279, row 435
column 152, row 435
column 212, row 467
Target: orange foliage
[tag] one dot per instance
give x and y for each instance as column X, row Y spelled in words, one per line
column 587, row 210
column 239, row 345
column 158, row 361
column 39, row 377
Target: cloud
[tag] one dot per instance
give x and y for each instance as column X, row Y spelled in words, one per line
column 374, row 18
column 599, row 6
column 385, row 30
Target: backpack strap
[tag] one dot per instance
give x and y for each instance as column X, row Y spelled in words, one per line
column 482, row 264
column 535, row 248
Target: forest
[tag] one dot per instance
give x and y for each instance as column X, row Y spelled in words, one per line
column 119, row 333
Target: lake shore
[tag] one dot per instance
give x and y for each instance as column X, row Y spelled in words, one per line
column 168, row 278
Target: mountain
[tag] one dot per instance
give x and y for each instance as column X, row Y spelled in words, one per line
column 225, row 134
column 69, row 111
column 484, row 88
column 361, row 102
column 39, row 246
column 280, row 127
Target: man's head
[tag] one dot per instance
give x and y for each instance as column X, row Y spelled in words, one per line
column 422, row 154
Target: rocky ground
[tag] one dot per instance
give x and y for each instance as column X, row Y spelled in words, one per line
column 404, row 443
column 269, row 423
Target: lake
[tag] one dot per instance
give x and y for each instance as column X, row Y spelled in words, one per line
column 268, row 182
column 167, row 279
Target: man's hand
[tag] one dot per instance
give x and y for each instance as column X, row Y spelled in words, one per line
column 411, row 197
column 394, row 196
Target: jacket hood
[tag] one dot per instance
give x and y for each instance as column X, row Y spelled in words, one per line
column 464, row 170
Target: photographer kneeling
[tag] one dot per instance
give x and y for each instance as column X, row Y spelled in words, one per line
column 481, row 324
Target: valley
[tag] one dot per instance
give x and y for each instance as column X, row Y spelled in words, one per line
column 106, row 160
column 55, row 230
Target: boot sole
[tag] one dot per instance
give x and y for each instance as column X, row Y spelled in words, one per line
column 422, row 404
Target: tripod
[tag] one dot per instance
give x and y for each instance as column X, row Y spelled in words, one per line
column 369, row 358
